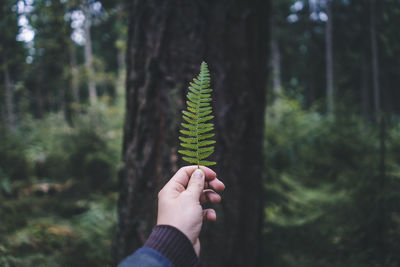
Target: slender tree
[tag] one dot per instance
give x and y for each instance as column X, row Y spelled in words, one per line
column 329, row 58
column 381, row 243
column 74, row 72
column 10, row 54
column 364, row 88
column 164, row 51
column 276, row 66
column 9, row 95
column 88, row 52
column 374, row 58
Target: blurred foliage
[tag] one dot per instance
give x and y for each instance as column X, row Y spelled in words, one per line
column 326, row 203
column 62, row 210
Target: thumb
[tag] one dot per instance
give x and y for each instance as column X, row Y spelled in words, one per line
column 196, row 183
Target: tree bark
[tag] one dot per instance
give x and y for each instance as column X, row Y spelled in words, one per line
column 89, row 53
column 364, row 88
column 39, row 97
column 164, row 52
column 276, row 67
column 329, row 59
column 374, row 57
column 74, row 73
column 121, row 48
column 9, row 95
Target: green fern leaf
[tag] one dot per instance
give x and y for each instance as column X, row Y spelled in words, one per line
column 197, row 126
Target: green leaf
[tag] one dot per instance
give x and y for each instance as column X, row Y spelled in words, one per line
column 204, row 104
column 205, row 155
column 191, row 109
column 204, row 130
column 193, row 90
column 192, row 146
column 193, row 122
column 190, row 160
column 204, row 109
column 205, row 136
column 204, row 119
column 189, row 133
column 206, row 143
column 205, row 113
column 188, row 140
column 189, row 114
column 207, row 163
column 205, row 125
column 205, row 100
column 194, row 86
column 190, row 104
column 196, row 129
column 188, row 153
column 205, row 149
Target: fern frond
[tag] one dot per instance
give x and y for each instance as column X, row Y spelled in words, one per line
column 197, row 126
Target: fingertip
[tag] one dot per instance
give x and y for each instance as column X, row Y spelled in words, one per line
column 210, row 215
column 210, row 196
column 210, row 174
column 217, row 185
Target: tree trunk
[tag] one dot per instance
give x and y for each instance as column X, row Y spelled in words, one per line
column 374, row 57
column 329, row 59
column 74, row 73
column 39, row 97
column 276, row 67
column 9, row 95
column 380, row 119
column 381, row 223
column 364, row 88
column 164, row 52
column 89, row 53
column 121, row 48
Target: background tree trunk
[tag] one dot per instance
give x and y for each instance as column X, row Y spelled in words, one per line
column 364, row 88
column 9, row 95
column 121, row 46
column 276, row 67
column 374, row 57
column 74, row 73
column 329, row 59
column 89, row 53
column 164, row 52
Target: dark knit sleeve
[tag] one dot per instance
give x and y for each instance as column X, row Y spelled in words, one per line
column 173, row 244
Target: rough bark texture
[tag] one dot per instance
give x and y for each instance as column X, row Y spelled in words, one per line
column 167, row 42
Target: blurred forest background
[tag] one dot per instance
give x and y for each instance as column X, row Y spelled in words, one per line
column 331, row 174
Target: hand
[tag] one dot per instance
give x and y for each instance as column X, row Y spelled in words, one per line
column 179, row 202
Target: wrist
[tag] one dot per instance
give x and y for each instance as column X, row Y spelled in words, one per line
column 173, row 244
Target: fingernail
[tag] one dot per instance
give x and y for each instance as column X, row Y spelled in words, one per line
column 198, row 174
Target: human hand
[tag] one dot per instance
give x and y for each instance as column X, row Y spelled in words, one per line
column 179, row 202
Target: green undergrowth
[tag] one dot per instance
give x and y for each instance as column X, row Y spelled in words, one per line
column 58, row 187
column 325, row 199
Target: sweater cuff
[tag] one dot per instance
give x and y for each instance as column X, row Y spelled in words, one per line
column 173, row 244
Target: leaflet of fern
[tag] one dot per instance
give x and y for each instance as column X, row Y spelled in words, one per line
column 197, row 127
